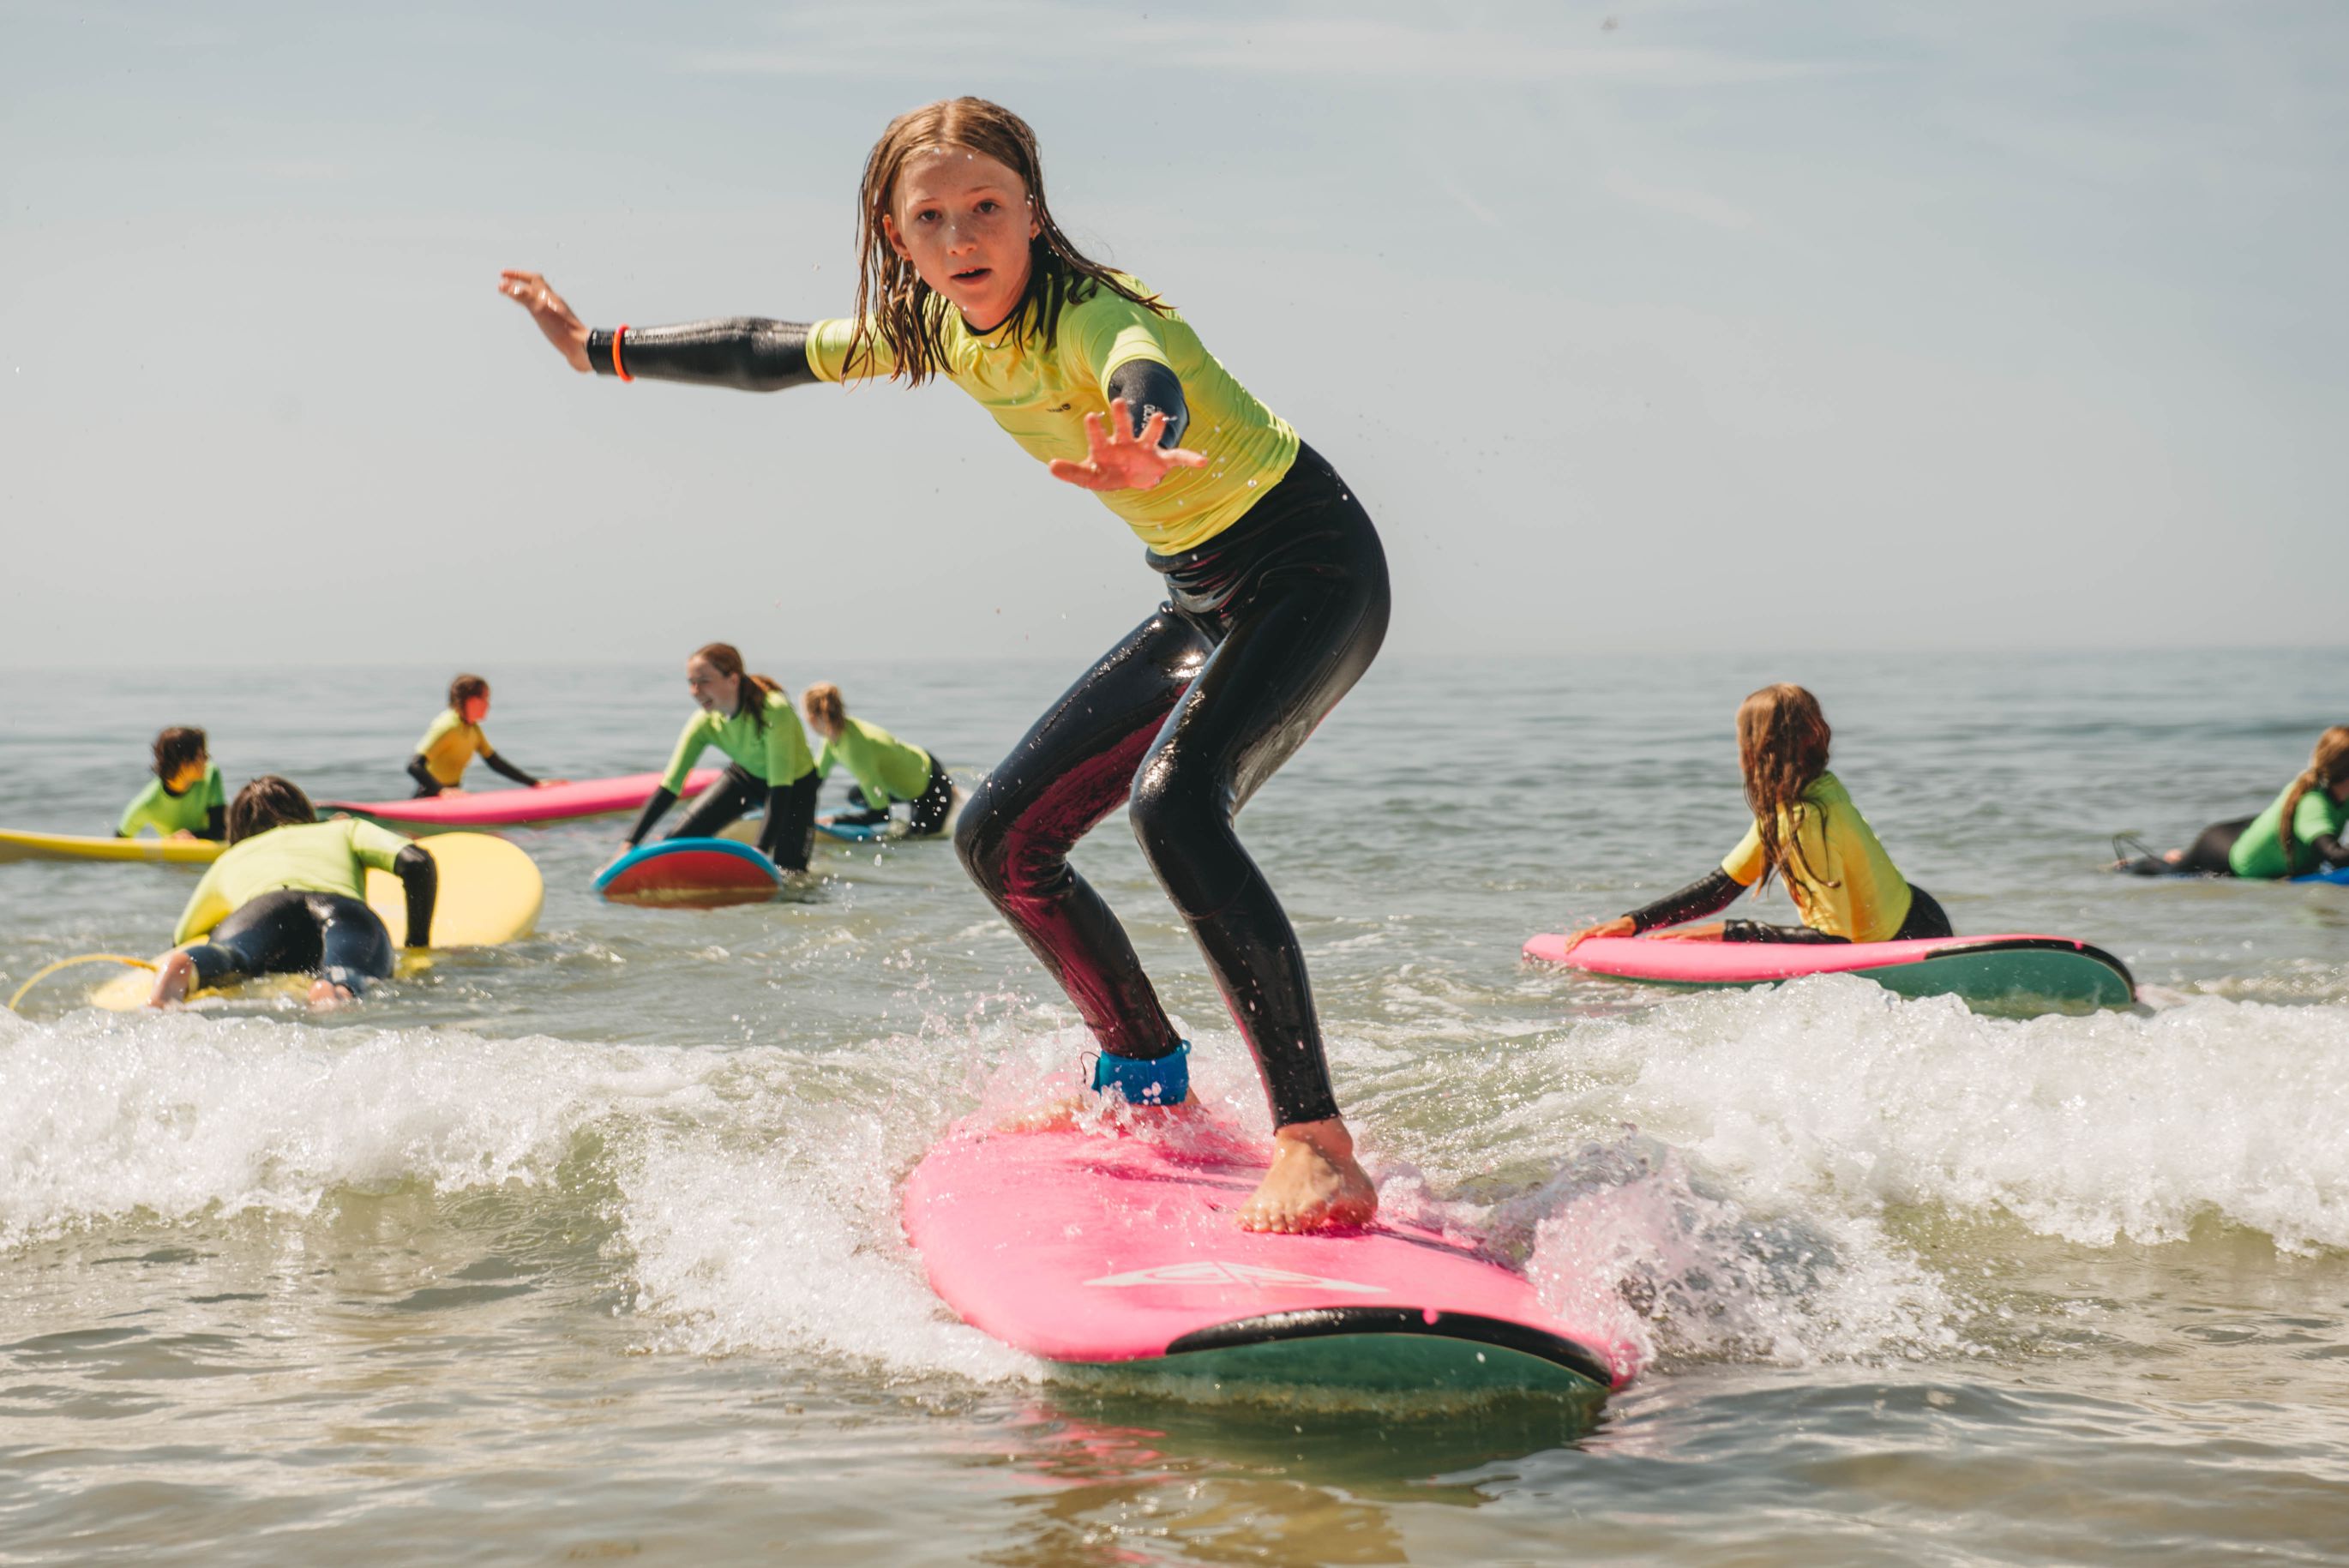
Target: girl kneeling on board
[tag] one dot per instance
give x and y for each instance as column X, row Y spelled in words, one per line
column 289, row 897
column 1806, row 832
column 749, row 718
column 885, row 769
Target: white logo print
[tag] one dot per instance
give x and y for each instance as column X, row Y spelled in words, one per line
column 1233, row 1273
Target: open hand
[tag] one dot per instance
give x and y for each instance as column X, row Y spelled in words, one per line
column 1117, row 458
column 563, row 327
column 1621, row 925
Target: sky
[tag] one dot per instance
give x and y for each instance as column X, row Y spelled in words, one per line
column 1847, row 325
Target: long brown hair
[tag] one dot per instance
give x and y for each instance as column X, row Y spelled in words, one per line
column 2328, row 767
column 265, row 803
column 751, row 697
column 894, row 306
column 1782, row 750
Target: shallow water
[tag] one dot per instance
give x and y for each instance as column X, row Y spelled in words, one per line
column 586, row 1249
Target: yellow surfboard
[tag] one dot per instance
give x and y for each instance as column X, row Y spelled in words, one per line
column 15, row 845
column 490, row 894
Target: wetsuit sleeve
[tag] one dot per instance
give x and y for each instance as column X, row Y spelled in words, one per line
column 421, row 771
column 655, row 808
column 830, row 344
column 857, row 756
column 1150, row 387
column 771, row 828
column 1709, row 894
column 779, row 749
column 420, row 880
column 136, row 814
column 748, row 353
column 499, row 764
column 2330, row 850
column 823, row 758
column 216, row 826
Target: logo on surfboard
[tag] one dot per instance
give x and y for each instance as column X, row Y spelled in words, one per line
column 1233, row 1273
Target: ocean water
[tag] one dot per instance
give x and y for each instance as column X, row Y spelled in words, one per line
column 586, row 1249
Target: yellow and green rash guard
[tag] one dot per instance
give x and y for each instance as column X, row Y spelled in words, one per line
column 167, row 813
column 1042, row 397
column 1867, row 900
column 449, row 746
column 316, row 856
column 883, row 767
column 2259, row 850
column 779, row 755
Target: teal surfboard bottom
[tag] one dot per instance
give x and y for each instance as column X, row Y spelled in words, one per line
column 2019, row 981
column 1373, row 1363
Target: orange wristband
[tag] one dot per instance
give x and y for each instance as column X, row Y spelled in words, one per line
column 619, row 370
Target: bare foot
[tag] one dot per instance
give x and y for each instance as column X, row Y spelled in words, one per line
column 326, row 995
column 1314, row 1181
column 172, row 977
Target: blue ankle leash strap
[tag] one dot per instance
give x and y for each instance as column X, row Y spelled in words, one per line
column 1158, row 1080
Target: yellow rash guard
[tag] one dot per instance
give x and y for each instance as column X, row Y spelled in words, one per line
column 1842, row 882
column 449, row 746
column 1041, row 395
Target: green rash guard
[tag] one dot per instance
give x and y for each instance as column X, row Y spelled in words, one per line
column 167, row 813
column 316, row 856
column 778, row 754
column 883, row 767
column 1040, row 397
column 1852, row 891
column 2259, row 853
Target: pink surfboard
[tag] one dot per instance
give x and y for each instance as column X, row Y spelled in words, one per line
column 1096, row 1248
column 2014, row 967
column 521, row 807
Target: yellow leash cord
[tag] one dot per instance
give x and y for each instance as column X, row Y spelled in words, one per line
column 68, row 963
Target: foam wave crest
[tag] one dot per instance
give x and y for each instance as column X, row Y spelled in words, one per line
column 180, row 1115
column 2094, row 1129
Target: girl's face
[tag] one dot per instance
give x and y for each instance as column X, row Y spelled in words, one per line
column 477, row 708
column 963, row 221
column 714, row 692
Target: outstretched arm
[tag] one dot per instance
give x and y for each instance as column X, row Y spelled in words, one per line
column 501, row 765
column 749, row 353
column 1709, row 894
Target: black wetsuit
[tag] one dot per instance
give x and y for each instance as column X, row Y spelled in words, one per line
column 784, row 835
column 294, row 931
column 1265, row 626
column 930, row 808
column 1717, row 890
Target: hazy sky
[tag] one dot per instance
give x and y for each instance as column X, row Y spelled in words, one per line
column 1823, row 325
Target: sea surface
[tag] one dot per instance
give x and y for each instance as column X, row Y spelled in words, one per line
column 587, row 1249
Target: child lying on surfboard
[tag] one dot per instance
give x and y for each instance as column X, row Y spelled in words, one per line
column 185, row 799
column 1806, row 832
column 2300, row 831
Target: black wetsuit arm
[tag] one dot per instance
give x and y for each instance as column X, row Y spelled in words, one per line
column 419, row 879
column 654, row 809
column 749, row 353
column 510, row 770
column 1709, row 894
column 2330, row 850
column 771, row 829
column 1148, row 388
column 421, row 771
column 216, row 826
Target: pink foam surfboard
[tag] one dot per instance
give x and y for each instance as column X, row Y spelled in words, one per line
column 519, row 808
column 1096, row 1247
column 2016, row 964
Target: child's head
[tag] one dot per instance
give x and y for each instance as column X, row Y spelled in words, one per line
column 953, row 208
column 719, row 682
column 823, row 705
column 1782, row 748
column 180, row 755
column 469, row 698
column 268, row 802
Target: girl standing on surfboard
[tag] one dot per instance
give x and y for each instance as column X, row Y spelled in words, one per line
column 1276, row 594
column 749, row 718
column 1806, row 833
column 2300, row 831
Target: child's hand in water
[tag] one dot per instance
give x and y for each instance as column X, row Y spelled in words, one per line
column 563, row 327
column 1117, row 458
column 1621, row 925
